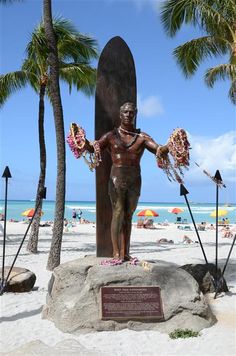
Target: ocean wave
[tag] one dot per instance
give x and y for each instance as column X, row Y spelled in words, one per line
column 156, row 207
column 79, row 207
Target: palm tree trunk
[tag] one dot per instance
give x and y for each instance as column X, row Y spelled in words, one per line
column 32, row 245
column 54, row 88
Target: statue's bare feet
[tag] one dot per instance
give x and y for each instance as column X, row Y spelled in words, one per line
column 128, row 258
column 116, row 256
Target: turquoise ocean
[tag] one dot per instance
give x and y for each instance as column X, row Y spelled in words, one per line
column 201, row 211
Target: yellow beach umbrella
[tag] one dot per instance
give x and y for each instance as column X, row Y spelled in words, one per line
column 221, row 212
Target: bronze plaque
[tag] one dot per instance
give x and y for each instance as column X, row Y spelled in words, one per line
column 131, row 303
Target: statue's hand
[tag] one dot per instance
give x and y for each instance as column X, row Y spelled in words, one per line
column 88, row 146
column 163, row 151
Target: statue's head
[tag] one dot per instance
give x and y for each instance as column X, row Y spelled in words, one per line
column 128, row 113
column 128, row 106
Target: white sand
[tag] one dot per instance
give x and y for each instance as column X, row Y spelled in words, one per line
column 21, row 313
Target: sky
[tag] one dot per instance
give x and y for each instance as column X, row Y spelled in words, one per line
column 166, row 100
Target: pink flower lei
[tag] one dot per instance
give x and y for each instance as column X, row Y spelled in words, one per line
column 77, row 140
column 178, row 146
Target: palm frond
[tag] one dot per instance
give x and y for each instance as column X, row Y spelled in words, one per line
column 75, row 52
column 70, row 42
column 223, row 72
column 82, row 77
column 192, row 53
column 202, row 13
column 232, row 92
column 77, row 48
column 216, row 18
column 10, row 83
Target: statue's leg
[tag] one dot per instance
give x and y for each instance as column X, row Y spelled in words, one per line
column 130, row 207
column 118, row 200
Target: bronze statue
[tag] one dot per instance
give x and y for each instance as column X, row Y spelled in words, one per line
column 126, row 145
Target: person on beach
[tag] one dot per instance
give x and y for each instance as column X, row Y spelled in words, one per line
column 79, row 215
column 227, row 232
column 74, row 215
column 126, row 145
column 187, row 240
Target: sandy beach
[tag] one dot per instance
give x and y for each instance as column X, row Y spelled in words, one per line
column 21, row 320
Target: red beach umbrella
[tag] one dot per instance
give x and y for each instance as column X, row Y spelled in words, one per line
column 147, row 212
column 175, row 210
column 29, row 213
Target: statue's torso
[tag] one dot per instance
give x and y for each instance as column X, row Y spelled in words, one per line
column 125, row 150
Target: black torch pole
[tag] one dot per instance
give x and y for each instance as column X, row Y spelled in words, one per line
column 218, row 179
column 43, row 195
column 6, row 174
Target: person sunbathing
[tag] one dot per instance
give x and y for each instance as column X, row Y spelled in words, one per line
column 148, row 224
column 187, row 240
column 227, row 233
column 165, row 241
column 140, row 223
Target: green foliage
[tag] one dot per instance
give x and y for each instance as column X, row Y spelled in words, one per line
column 217, row 19
column 183, row 334
column 75, row 52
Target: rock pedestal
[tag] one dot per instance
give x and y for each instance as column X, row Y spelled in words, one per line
column 74, row 301
column 20, row 280
column 205, row 275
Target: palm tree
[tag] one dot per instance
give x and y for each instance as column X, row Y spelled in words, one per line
column 75, row 52
column 53, row 60
column 218, row 20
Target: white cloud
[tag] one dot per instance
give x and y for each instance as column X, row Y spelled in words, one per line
column 212, row 154
column 141, row 3
column 150, row 106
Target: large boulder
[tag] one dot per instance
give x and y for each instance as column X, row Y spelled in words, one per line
column 206, row 276
column 74, row 302
column 20, row 280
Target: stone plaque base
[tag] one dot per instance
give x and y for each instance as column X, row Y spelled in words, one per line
column 126, row 303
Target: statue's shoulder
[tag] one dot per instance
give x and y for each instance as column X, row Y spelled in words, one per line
column 144, row 135
column 109, row 134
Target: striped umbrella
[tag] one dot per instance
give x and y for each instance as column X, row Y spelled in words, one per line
column 147, row 212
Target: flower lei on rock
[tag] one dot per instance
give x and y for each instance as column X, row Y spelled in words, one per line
column 118, row 261
column 77, row 140
column 178, row 146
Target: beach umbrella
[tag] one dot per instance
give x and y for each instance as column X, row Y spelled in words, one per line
column 147, row 212
column 29, row 213
column 221, row 212
column 175, row 210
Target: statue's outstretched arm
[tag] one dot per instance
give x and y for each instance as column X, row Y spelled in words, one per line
column 80, row 146
column 152, row 146
column 178, row 148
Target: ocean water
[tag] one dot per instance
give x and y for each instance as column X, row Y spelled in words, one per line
column 201, row 212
